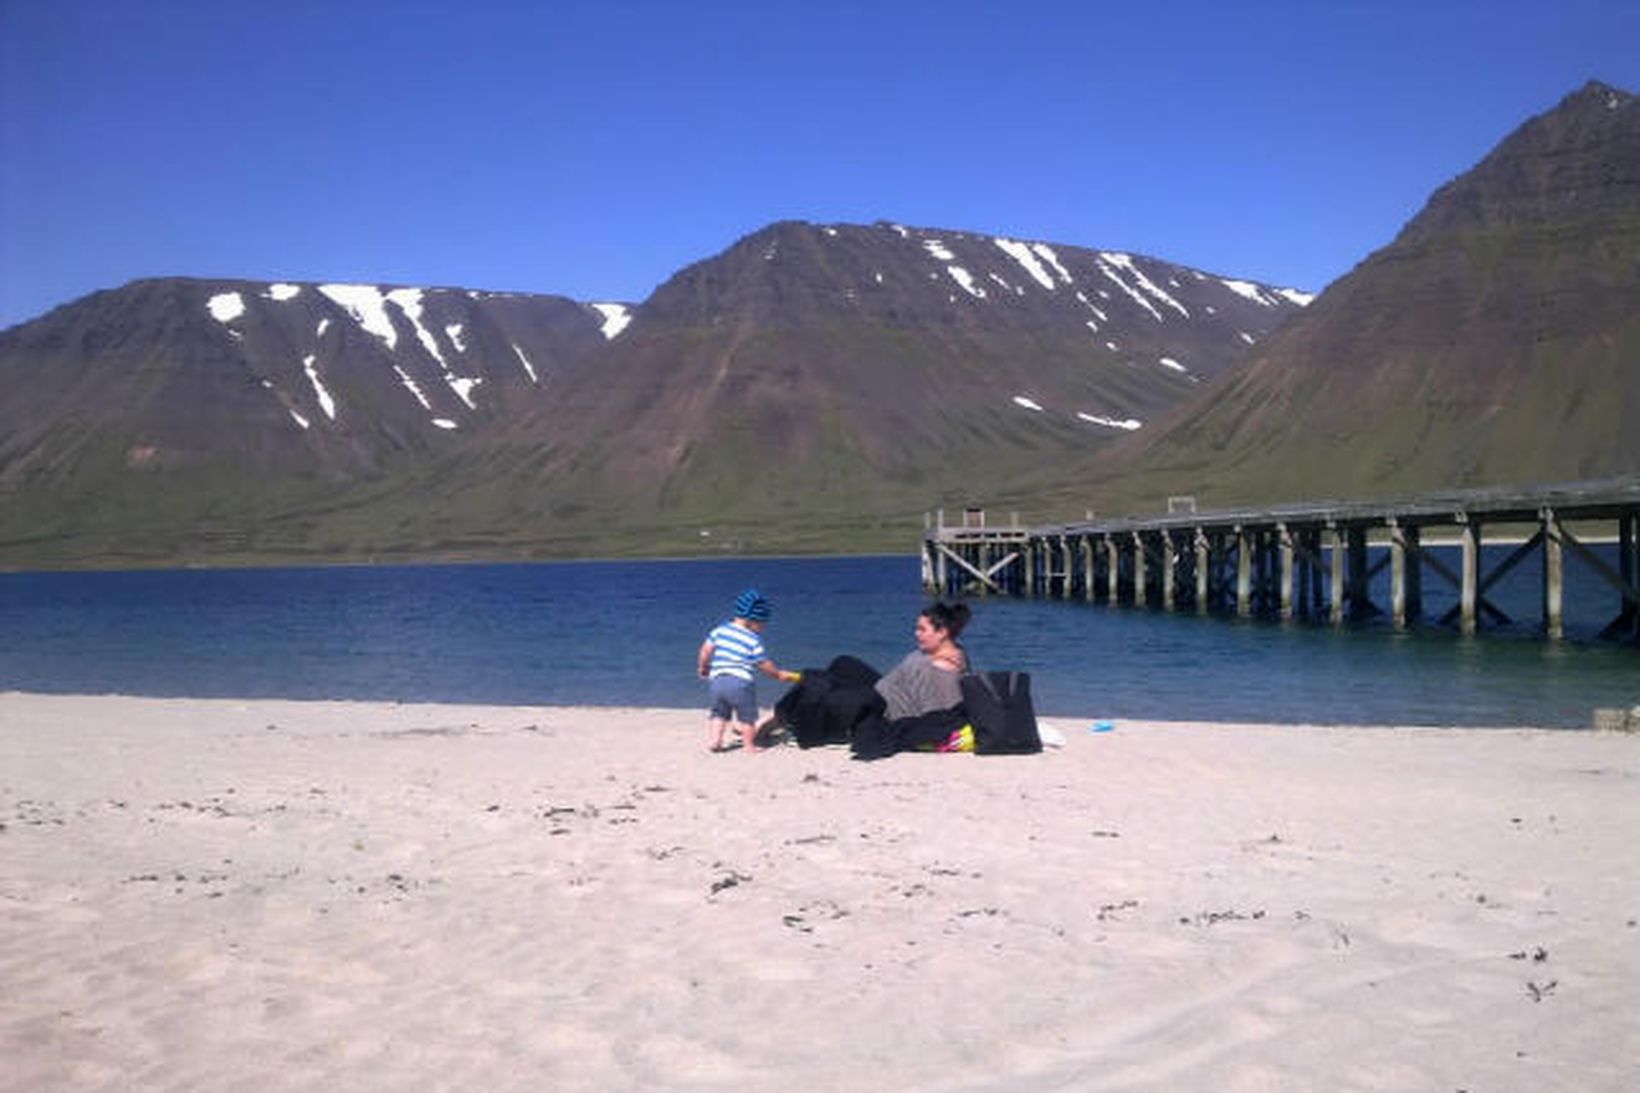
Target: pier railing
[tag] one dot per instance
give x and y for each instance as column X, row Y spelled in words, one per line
column 1316, row 561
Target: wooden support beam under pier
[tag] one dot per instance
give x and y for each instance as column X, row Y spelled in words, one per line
column 1316, row 562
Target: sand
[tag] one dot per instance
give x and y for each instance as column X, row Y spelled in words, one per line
column 290, row 895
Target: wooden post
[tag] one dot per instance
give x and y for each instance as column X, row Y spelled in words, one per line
column 1335, row 544
column 1554, row 578
column 1413, row 536
column 1357, row 565
column 1204, row 560
column 1170, row 561
column 1141, row 590
column 1030, row 547
column 1113, row 578
column 1315, row 573
column 1284, row 541
column 1398, row 574
column 1090, row 569
column 1470, row 532
column 1244, row 572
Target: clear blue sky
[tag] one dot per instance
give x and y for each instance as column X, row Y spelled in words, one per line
column 594, row 148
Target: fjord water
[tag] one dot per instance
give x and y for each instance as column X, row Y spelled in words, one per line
column 625, row 633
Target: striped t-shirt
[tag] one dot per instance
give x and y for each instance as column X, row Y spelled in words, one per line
column 736, row 651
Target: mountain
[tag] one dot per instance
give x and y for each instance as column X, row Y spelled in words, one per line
column 822, row 386
column 334, row 380
column 795, row 391
column 139, row 417
column 1496, row 340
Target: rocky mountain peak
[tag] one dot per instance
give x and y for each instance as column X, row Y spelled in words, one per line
column 1581, row 159
column 1492, row 342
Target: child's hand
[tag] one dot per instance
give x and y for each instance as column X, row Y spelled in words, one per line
column 791, row 677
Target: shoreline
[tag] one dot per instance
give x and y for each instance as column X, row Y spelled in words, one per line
column 1066, row 724
column 436, row 561
column 1512, row 538
column 295, row 894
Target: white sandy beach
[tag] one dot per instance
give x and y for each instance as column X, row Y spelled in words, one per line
column 209, row 895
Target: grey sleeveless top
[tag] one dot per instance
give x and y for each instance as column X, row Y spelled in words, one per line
column 917, row 686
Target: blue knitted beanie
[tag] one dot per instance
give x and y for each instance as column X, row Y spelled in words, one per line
column 751, row 605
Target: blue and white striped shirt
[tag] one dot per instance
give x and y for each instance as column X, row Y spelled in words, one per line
column 736, row 651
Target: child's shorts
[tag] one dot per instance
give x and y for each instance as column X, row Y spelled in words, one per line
column 734, row 699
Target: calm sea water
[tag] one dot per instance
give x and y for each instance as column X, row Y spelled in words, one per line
column 625, row 633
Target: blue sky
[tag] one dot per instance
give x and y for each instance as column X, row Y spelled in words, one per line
column 593, row 149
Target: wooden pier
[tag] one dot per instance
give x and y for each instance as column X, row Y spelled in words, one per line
column 1312, row 561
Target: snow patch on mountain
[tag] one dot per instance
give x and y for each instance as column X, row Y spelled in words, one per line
column 1268, row 298
column 1047, row 254
column 310, row 365
column 529, row 368
column 225, row 307
column 1125, row 262
column 616, row 318
column 1022, row 253
column 1129, row 424
column 966, row 280
column 367, row 306
column 410, row 384
column 409, row 303
column 1247, row 290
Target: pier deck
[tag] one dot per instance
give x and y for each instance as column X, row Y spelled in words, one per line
column 1313, row 561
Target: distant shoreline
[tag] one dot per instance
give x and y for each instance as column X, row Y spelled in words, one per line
column 436, row 562
column 1377, row 538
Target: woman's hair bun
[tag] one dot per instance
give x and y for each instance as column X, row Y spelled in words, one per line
column 950, row 617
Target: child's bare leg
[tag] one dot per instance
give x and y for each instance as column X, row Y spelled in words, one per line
column 748, row 737
column 715, row 728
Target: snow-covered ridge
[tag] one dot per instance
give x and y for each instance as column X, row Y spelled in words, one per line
column 382, row 313
column 1041, row 266
column 1250, row 291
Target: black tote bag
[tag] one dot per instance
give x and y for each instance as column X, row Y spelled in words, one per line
column 999, row 707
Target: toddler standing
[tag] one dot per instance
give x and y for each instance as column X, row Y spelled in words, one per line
column 728, row 657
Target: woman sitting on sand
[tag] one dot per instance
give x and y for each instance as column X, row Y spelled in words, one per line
column 916, row 705
column 927, row 679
